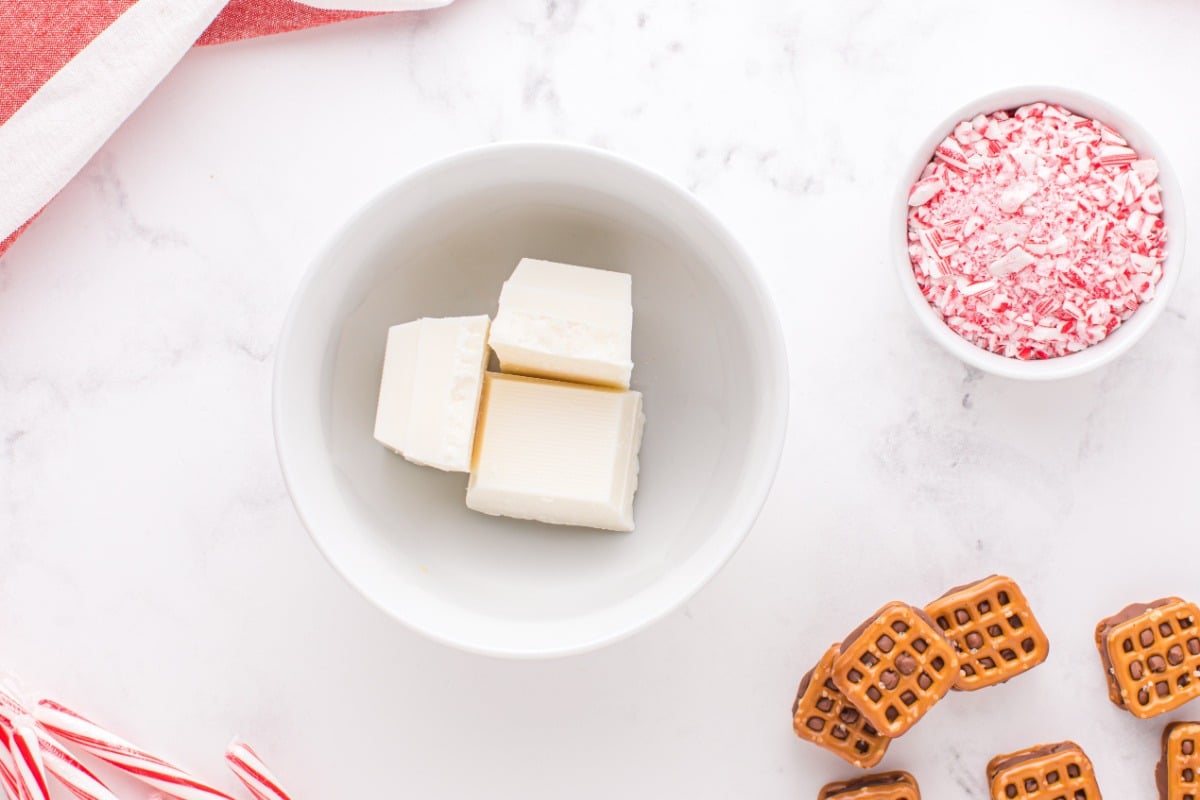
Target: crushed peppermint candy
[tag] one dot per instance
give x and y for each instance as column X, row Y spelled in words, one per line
column 1036, row 233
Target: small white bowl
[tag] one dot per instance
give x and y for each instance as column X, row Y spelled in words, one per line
column 1129, row 331
column 709, row 358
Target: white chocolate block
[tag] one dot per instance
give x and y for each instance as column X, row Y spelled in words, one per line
column 429, row 394
column 565, row 323
column 396, row 386
column 561, row 453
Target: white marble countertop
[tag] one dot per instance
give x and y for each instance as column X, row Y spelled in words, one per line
column 157, row 578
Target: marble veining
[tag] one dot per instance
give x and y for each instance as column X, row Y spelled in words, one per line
column 157, row 578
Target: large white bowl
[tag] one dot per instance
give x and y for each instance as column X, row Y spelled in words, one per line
column 709, row 358
column 1129, row 331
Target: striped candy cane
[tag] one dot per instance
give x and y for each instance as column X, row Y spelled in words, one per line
column 9, row 783
column 8, row 776
column 77, row 730
column 27, row 756
column 251, row 770
column 77, row 778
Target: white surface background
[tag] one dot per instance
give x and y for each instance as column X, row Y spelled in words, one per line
column 156, row 577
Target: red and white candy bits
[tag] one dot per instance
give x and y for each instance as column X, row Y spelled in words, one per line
column 1036, row 233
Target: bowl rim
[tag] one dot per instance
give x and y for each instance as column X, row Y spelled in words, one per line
column 765, row 462
column 1119, row 341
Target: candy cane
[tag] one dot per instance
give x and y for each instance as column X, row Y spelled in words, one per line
column 9, row 782
column 251, row 770
column 27, row 756
column 106, row 746
column 77, row 778
column 8, row 778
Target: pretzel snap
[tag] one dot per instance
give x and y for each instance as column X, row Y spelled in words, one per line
column 822, row 715
column 1044, row 772
column 895, row 667
column 993, row 629
column 883, row 786
column 1151, row 656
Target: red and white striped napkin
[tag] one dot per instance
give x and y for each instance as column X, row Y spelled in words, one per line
column 71, row 71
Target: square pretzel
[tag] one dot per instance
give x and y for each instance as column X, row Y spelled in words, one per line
column 822, row 715
column 1151, row 656
column 895, row 667
column 883, row 786
column 994, row 630
column 1047, row 772
column 1179, row 770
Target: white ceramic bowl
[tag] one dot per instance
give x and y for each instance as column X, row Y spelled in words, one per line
column 709, row 358
column 1132, row 329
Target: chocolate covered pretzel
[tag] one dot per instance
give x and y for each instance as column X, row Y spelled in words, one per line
column 895, row 667
column 1151, row 656
column 884, row 786
column 1047, row 772
column 823, row 716
column 993, row 629
column 1179, row 770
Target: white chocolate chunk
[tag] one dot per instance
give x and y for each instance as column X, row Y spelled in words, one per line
column 394, row 411
column 429, row 394
column 564, row 322
column 555, row 452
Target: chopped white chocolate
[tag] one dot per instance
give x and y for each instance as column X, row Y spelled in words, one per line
column 429, row 395
column 556, row 452
column 567, row 323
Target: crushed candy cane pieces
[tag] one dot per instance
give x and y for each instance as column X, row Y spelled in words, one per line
column 1036, row 233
